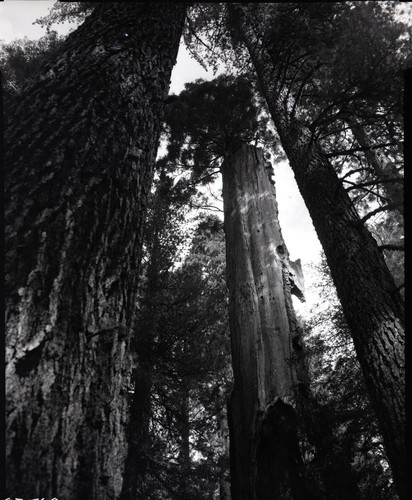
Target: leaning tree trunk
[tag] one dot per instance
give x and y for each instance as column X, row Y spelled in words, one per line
column 80, row 152
column 370, row 300
column 265, row 455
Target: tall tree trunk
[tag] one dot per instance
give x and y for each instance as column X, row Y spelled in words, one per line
column 383, row 168
column 2, row 376
column 265, row 455
column 223, row 427
column 138, row 437
column 142, row 344
column 370, row 300
column 80, row 152
column 184, row 451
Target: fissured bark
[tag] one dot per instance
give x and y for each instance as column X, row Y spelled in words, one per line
column 81, row 146
column 264, row 448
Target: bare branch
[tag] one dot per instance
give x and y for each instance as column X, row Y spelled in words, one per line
column 358, row 186
column 366, row 217
column 351, row 172
column 396, row 247
column 204, row 177
column 353, row 150
column 208, row 207
column 372, row 183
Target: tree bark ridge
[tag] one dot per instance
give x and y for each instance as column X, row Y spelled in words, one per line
column 81, row 147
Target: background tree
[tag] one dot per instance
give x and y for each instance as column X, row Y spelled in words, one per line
column 21, row 59
column 183, row 452
column 212, row 128
column 162, row 237
column 370, row 300
column 340, row 392
column 80, row 143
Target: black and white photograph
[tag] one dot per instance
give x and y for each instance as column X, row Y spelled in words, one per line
column 204, row 279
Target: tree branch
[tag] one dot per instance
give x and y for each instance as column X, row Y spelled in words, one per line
column 392, row 246
column 366, row 217
column 351, row 172
column 358, row 186
column 203, row 178
column 189, row 24
column 353, row 150
column 372, row 183
column 302, row 86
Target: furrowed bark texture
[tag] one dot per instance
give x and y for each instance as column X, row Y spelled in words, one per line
column 370, row 300
column 265, row 455
column 80, row 152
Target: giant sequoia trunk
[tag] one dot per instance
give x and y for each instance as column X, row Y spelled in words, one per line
column 80, row 146
column 265, row 456
column 370, row 300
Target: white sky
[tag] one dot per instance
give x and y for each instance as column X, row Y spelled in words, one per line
column 16, row 18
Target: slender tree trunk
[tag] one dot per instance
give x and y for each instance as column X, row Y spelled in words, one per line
column 370, row 300
column 383, row 168
column 138, row 437
column 184, row 452
column 224, row 483
column 80, row 152
column 2, row 377
column 142, row 345
column 265, row 455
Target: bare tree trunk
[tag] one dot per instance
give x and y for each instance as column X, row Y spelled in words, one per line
column 265, row 455
column 370, row 300
column 80, row 152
